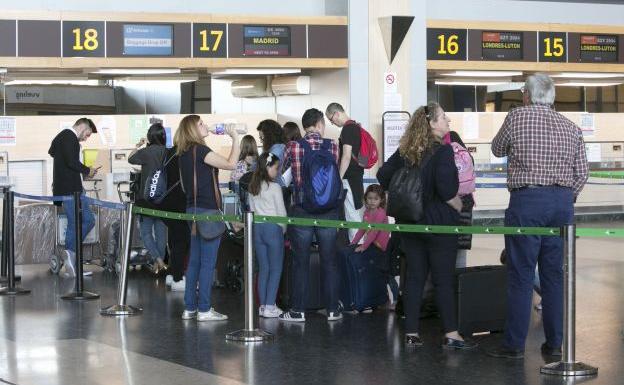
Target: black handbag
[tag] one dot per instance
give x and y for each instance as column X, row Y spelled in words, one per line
column 208, row 230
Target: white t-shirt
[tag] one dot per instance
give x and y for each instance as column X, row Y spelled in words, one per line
column 269, row 202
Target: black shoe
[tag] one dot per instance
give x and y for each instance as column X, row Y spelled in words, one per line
column 413, row 341
column 504, row 352
column 548, row 351
column 453, row 344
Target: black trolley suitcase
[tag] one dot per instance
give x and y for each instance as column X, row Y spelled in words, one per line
column 481, row 299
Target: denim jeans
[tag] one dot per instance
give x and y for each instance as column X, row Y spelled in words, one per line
column 154, row 236
column 536, row 207
column 301, row 241
column 88, row 222
column 200, row 269
column 269, row 247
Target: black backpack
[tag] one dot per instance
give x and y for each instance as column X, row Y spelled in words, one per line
column 156, row 184
column 406, row 193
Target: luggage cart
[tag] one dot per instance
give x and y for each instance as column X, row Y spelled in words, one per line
column 92, row 240
column 139, row 255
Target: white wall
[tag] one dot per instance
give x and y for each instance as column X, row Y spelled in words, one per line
column 525, row 11
column 244, row 7
column 326, row 86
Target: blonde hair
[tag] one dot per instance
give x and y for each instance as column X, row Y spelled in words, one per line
column 187, row 134
column 418, row 137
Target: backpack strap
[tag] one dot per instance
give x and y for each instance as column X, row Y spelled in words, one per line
column 304, row 143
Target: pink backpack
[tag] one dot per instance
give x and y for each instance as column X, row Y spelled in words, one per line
column 465, row 167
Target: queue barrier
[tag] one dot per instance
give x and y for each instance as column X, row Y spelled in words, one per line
column 568, row 366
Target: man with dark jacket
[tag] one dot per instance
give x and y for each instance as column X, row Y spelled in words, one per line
column 67, row 179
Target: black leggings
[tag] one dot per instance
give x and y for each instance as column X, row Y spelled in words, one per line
column 179, row 235
column 438, row 253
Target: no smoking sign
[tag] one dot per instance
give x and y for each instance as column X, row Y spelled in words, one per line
column 390, row 83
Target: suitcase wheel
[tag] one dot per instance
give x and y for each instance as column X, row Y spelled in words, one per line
column 56, row 264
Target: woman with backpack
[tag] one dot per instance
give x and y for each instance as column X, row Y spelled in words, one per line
column 199, row 167
column 151, row 157
column 422, row 183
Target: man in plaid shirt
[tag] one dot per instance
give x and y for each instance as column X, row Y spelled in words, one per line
column 547, row 169
column 301, row 236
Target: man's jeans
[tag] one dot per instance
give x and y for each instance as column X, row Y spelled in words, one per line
column 536, row 207
column 301, row 241
column 88, row 221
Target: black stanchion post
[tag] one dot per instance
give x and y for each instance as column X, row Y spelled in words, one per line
column 249, row 333
column 10, row 248
column 79, row 294
column 121, row 308
column 568, row 366
column 4, row 263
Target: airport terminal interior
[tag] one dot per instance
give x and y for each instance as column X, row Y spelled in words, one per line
column 162, row 289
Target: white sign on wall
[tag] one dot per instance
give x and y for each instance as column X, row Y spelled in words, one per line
column 393, row 128
column 8, row 131
column 390, row 83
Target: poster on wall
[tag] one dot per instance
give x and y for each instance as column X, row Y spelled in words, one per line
column 587, row 125
column 138, row 128
column 470, row 125
column 594, row 152
column 107, row 130
column 393, row 125
column 8, row 131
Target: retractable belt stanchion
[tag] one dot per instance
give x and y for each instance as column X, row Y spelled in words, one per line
column 250, row 333
column 121, row 309
column 568, row 366
column 79, row 294
column 10, row 246
column 4, row 262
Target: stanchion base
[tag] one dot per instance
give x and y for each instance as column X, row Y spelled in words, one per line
column 120, row 310
column 255, row 335
column 18, row 278
column 14, row 291
column 569, row 369
column 84, row 296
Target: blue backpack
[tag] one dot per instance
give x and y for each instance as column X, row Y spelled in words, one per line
column 322, row 187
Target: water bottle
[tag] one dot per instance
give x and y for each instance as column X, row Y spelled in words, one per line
column 221, row 128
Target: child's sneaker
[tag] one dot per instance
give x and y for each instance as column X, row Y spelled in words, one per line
column 272, row 312
column 292, row 316
column 211, row 315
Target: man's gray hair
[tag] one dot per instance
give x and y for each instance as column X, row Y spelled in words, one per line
column 541, row 89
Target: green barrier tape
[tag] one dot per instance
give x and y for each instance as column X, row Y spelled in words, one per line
column 409, row 228
column 607, row 174
column 184, row 216
column 599, row 233
column 426, row 229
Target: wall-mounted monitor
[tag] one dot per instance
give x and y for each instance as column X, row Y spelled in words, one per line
column 148, row 40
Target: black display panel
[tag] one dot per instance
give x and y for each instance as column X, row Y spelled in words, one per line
column 501, row 45
column 266, row 40
column 599, row 48
column 446, row 44
column 209, row 40
column 83, row 39
column 553, row 47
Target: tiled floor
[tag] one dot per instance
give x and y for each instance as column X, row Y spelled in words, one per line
column 44, row 340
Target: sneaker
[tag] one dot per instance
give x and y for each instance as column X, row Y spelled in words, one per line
column 413, row 341
column 334, row 316
column 272, row 312
column 211, row 315
column 292, row 316
column 453, row 344
column 367, row 310
column 179, row 286
column 188, row 314
column 169, row 280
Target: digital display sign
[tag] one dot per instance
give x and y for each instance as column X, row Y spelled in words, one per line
column 209, row 40
column 501, row 45
column 599, row 48
column 266, row 40
column 553, row 47
column 147, row 40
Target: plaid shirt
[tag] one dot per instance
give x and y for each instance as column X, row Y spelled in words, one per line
column 543, row 148
column 294, row 158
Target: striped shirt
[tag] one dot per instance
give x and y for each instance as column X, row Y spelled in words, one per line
column 543, row 148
